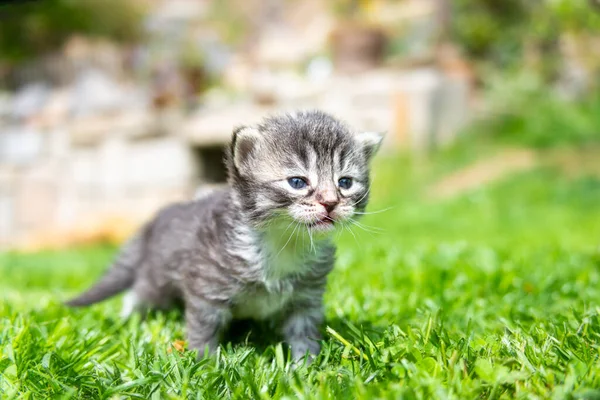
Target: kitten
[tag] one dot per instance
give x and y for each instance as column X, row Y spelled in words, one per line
column 260, row 248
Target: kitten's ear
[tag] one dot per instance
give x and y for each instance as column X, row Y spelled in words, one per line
column 243, row 143
column 370, row 142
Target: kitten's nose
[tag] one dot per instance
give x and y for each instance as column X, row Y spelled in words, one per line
column 328, row 199
column 329, row 206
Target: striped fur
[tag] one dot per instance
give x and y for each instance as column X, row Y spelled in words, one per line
column 258, row 248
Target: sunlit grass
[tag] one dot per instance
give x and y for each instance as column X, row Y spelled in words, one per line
column 493, row 294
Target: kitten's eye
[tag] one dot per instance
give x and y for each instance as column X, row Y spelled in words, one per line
column 297, row 182
column 345, row 183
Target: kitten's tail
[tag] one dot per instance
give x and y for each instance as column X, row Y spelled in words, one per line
column 119, row 277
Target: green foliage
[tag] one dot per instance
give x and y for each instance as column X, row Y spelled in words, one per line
column 549, row 122
column 348, row 9
column 490, row 29
column 32, row 28
column 231, row 18
column 576, row 15
column 529, row 113
column 493, row 294
column 498, row 32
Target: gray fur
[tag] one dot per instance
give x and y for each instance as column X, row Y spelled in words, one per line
column 257, row 248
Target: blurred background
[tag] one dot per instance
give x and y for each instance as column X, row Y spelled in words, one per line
column 110, row 108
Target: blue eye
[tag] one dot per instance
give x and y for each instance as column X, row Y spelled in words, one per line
column 297, row 183
column 345, row 183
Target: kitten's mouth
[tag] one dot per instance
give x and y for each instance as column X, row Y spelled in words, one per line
column 322, row 224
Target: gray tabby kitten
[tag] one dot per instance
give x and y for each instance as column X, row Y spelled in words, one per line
column 260, row 248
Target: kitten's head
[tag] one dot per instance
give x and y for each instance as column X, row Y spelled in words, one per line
column 307, row 167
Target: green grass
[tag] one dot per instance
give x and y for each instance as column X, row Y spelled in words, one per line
column 494, row 294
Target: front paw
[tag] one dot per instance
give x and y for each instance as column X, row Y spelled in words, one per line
column 205, row 351
column 204, row 348
column 304, row 352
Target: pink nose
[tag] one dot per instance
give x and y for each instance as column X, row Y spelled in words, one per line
column 328, row 198
column 329, row 205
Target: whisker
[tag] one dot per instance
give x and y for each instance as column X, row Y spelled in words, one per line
column 370, row 233
column 296, row 241
column 339, row 232
column 290, row 238
column 374, row 212
column 353, row 235
column 311, row 242
column 288, row 227
column 343, row 227
column 367, row 228
column 363, row 196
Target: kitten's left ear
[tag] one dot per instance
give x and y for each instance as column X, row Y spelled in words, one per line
column 370, row 142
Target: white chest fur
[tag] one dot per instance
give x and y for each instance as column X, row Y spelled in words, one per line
column 262, row 303
column 276, row 289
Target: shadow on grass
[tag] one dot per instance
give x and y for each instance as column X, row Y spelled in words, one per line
column 262, row 335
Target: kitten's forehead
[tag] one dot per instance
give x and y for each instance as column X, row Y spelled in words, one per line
column 308, row 137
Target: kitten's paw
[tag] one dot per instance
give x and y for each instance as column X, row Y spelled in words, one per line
column 205, row 349
column 302, row 361
column 304, row 353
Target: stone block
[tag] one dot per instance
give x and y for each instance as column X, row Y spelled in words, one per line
column 35, row 198
column 20, row 145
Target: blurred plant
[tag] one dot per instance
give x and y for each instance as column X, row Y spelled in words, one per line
column 34, row 28
column 347, row 8
column 504, row 34
column 192, row 62
column 355, row 10
column 357, row 43
column 549, row 121
column 527, row 113
column 230, row 19
column 191, row 56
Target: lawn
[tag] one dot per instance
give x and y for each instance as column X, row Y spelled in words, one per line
column 493, row 293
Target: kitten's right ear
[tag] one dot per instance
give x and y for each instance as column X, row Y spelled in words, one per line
column 370, row 142
column 243, row 143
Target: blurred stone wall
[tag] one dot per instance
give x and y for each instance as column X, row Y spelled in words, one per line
column 90, row 154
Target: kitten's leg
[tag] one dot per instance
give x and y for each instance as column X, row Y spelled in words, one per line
column 205, row 323
column 145, row 296
column 301, row 331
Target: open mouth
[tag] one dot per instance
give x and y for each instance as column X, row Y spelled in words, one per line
column 322, row 223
